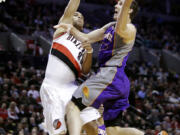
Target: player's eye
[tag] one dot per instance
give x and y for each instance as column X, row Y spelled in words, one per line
column 120, row 3
column 75, row 14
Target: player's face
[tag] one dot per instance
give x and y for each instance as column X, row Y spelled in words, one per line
column 117, row 8
column 78, row 20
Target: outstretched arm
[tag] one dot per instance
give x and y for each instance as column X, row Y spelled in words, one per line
column 98, row 35
column 92, row 37
column 123, row 29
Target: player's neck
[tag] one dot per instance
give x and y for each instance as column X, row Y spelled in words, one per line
column 79, row 28
column 128, row 20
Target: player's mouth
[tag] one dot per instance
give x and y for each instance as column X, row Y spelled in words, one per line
column 79, row 21
column 115, row 12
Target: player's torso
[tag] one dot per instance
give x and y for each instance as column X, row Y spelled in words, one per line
column 66, row 55
column 69, row 46
column 113, row 51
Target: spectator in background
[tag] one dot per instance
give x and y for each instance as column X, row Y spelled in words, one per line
column 14, row 92
column 32, row 123
column 142, row 93
column 166, row 124
column 3, row 111
column 23, row 98
column 22, row 112
column 2, row 131
column 13, row 111
column 154, row 116
column 33, row 92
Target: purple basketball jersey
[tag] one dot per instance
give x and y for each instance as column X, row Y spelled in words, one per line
column 106, row 48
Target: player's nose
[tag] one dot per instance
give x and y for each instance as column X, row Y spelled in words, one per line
column 116, row 6
column 79, row 16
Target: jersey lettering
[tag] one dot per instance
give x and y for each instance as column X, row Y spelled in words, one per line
column 108, row 36
column 101, row 132
column 75, row 41
column 78, row 45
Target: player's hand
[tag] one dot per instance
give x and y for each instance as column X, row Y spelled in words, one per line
column 88, row 47
column 108, row 25
column 66, row 26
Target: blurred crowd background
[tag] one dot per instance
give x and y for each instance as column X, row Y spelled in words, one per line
column 155, row 88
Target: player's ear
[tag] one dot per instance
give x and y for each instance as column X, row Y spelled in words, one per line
column 130, row 11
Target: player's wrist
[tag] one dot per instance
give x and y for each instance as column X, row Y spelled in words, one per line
column 89, row 50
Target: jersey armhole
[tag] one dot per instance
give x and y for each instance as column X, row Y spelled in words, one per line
column 59, row 35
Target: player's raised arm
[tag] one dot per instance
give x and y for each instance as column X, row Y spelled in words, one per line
column 67, row 17
column 124, row 28
column 69, row 11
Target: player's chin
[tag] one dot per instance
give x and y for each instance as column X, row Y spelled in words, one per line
column 115, row 17
column 81, row 25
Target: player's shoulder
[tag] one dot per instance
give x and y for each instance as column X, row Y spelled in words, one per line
column 131, row 27
column 58, row 32
column 130, row 34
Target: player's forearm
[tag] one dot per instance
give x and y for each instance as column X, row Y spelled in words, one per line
column 78, row 34
column 71, row 7
column 92, row 37
column 67, row 17
column 69, row 11
column 96, row 35
column 86, row 67
column 123, row 17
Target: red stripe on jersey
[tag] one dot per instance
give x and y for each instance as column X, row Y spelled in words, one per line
column 67, row 53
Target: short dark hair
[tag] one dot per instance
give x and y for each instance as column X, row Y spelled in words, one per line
column 135, row 8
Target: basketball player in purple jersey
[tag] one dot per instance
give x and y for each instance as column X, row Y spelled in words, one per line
column 110, row 86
